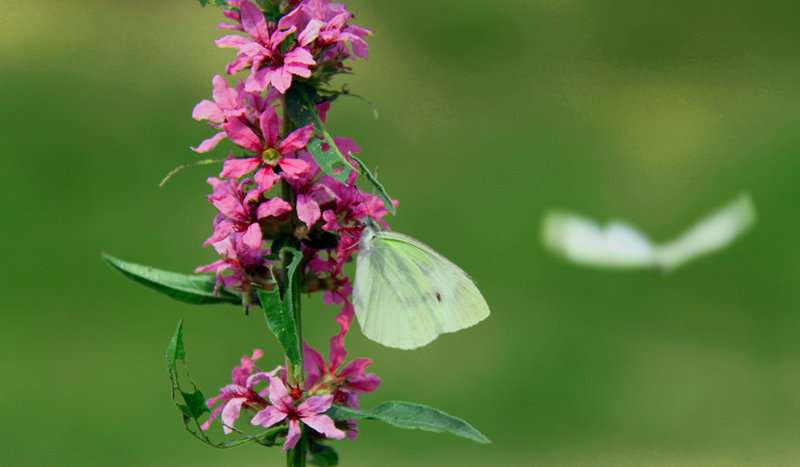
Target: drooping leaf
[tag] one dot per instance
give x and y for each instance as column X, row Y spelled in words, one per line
column 196, row 289
column 387, row 201
column 408, row 415
column 300, row 105
column 278, row 306
column 322, row 455
column 193, row 404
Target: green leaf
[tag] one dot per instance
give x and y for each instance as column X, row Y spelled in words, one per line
column 387, row 201
column 193, row 404
column 219, row 3
column 408, row 415
column 278, row 306
column 300, row 105
column 321, row 455
column 197, row 289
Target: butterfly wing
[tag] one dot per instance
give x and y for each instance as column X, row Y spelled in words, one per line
column 582, row 241
column 406, row 294
column 709, row 235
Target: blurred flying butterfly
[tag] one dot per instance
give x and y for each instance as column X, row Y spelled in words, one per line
column 619, row 245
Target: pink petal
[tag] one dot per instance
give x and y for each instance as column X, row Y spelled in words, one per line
column 232, row 40
column 299, row 55
column 255, row 379
column 281, row 79
column 345, row 319
column 323, row 424
column 210, row 143
column 279, row 36
column 213, row 416
column 310, row 32
column 331, row 222
column 355, row 369
column 279, row 396
column 293, row 436
column 223, row 95
column 235, row 168
column 231, row 413
column 323, row 110
column 313, row 361
column 268, row 417
column 299, row 70
column 294, row 167
column 252, row 237
column 307, row 209
column 366, row 384
column 274, row 207
column 270, row 125
column 221, row 232
column 258, row 81
column 207, row 110
column 314, row 405
column 253, row 22
column 265, row 178
column 298, row 139
column 242, row 135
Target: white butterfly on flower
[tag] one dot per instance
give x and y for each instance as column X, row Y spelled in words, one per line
column 406, row 294
column 619, row 245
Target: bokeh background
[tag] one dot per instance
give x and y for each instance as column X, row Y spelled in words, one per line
column 491, row 113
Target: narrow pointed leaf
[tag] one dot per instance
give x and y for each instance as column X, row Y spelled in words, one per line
column 278, row 309
column 193, row 404
column 408, row 415
column 300, row 105
column 196, row 289
column 387, row 201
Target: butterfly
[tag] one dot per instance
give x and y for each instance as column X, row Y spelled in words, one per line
column 406, row 294
column 619, row 245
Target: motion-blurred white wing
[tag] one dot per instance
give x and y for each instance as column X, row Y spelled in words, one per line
column 406, row 294
column 709, row 235
column 582, row 241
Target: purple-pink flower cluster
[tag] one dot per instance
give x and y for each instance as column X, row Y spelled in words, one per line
column 321, row 217
column 281, row 402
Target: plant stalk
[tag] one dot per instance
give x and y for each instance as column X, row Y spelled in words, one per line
column 295, row 457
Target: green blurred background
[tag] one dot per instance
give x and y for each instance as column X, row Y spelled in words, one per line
column 490, row 114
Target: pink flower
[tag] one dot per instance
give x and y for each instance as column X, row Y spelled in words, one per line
column 279, row 73
column 323, row 25
column 237, row 213
column 228, row 102
column 241, row 394
column 268, row 150
column 348, row 382
column 308, row 412
column 247, row 265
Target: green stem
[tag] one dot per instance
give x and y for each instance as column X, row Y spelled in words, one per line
column 295, row 457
